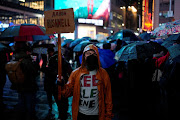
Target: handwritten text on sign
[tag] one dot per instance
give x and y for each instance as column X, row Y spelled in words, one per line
column 59, row 21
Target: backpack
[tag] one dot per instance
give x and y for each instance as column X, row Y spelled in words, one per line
column 14, row 72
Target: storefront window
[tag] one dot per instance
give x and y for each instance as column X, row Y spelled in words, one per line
column 35, row 5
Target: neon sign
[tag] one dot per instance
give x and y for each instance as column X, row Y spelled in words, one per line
column 91, row 21
column 147, row 16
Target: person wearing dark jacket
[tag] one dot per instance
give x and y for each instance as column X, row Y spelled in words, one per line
column 50, row 85
column 3, row 61
column 27, row 90
column 170, row 82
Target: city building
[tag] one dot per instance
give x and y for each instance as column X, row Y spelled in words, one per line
column 92, row 17
column 21, row 11
column 165, row 11
column 117, row 16
column 132, row 14
column 157, row 12
column 147, row 15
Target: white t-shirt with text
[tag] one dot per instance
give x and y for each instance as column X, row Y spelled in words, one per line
column 88, row 103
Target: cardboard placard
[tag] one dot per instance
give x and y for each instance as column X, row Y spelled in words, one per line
column 59, row 21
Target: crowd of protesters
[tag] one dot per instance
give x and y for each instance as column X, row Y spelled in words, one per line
column 126, row 86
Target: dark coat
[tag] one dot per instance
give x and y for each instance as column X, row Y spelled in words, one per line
column 51, row 71
column 29, row 71
column 3, row 61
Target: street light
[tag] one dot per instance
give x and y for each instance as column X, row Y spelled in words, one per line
column 133, row 9
column 123, row 7
column 131, row 17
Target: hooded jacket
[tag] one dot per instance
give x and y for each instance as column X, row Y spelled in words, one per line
column 104, row 88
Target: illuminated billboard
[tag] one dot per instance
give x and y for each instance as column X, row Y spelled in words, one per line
column 87, row 9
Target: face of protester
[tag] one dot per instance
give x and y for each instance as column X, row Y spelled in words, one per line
column 91, row 60
column 89, row 52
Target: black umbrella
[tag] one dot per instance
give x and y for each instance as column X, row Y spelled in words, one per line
column 174, row 50
column 43, row 45
column 86, row 38
column 75, row 42
column 80, row 47
column 128, row 52
column 94, row 41
column 177, row 59
column 145, row 36
column 125, row 33
column 173, row 37
column 168, row 43
column 65, row 42
column 137, row 50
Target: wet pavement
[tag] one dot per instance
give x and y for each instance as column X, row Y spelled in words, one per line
column 10, row 98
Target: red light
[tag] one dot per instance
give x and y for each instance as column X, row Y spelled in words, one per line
column 11, row 53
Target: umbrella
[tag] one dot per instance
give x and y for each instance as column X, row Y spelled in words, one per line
column 173, row 37
column 145, row 36
column 24, row 32
column 136, row 50
column 43, row 45
column 125, row 33
column 106, row 57
column 159, row 41
column 167, row 29
column 168, row 43
column 176, row 59
column 94, row 41
column 174, row 50
column 40, row 50
column 103, row 41
column 80, row 47
column 111, row 41
column 75, row 42
column 109, row 37
column 129, row 39
column 66, row 42
column 99, row 45
column 2, row 47
column 86, row 38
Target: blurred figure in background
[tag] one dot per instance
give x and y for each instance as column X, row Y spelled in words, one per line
column 27, row 90
column 50, row 85
column 3, row 61
column 120, row 44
